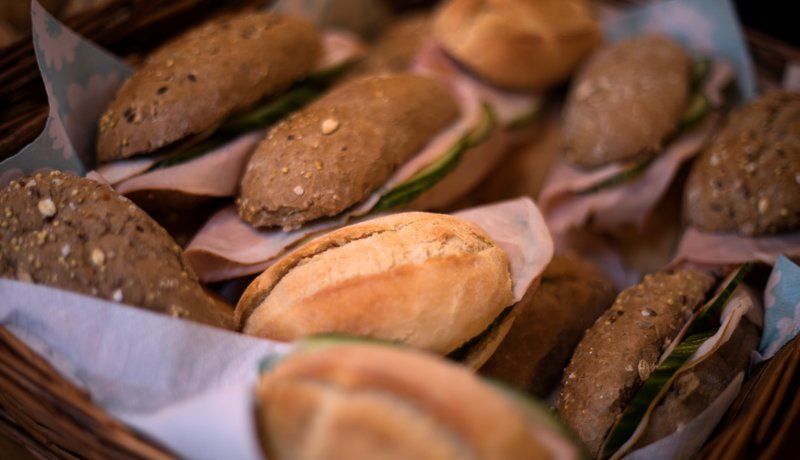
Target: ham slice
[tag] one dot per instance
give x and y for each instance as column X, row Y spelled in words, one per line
column 729, row 248
column 218, row 172
column 566, row 207
column 508, row 106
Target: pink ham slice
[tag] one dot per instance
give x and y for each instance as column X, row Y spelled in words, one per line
column 508, row 106
column 565, row 207
column 218, row 173
column 728, row 248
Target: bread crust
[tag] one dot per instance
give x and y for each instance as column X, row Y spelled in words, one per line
column 627, row 99
column 76, row 234
column 517, row 45
column 396, row 47
column 432, row 281
column 186, row 86
column 361, row 401
column 338, row 150
column 748, row 180
column 622, row 347
column 573, row 292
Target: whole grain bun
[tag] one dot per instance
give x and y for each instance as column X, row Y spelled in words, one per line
column 429, row 280
column 517, row 44
column 627, row 99
column 334, row 153
column 623, row 346
column 397, row 45
column 194, row 82
column 72, row 233
column 748, row 179
column 367, row 401
column 573, row 292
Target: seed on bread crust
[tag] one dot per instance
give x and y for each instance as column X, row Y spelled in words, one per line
column 197, row 80
column 748, row 179
column 616, row 354
column 628, row 98
column 335, row 152
column 92, row 241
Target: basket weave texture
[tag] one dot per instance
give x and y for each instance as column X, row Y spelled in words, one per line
column 53, row 418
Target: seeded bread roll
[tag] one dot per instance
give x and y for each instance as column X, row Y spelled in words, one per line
column 366, row 402
column 396, row 46
column 335, row 152
column 748, row 179
column 76, row 234
column 520, row 45
column 573, row 292
column 194, row 82
column 627, row 99
column 429, row 280
column 623, row 346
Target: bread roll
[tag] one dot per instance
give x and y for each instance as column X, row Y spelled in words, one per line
column 194, row 82
column 432, row 281
column 627, row 99
column 748, row 180
column 395, row 48
column 622, row 347
column 334, row 153
column 573, row 292
column 519, row 45
column 72, row 233
column 366, row 402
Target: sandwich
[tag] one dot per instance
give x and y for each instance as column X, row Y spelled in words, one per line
column 186, row 121
column 76, row 234
column 364, row 401
column 431, row 281
column 572, row 293
column 657, row 359
column 370, row 145
column 636, row 111
column 741, row 198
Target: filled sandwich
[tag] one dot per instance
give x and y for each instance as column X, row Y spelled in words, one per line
column 661, row 357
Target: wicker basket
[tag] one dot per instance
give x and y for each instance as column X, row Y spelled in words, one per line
column 54, row 419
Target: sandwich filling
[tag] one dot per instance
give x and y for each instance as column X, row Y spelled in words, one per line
column 702, row 336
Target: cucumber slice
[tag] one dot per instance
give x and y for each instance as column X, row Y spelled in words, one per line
column 696, row 110
column 461, row 353
column 619, row 178
column 703, row 325
column 267, row 114
column 428, row 176
column 701, row 69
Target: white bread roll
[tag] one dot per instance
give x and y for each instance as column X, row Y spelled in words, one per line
column 429, row 280
column 362, row 401
column 521, row 45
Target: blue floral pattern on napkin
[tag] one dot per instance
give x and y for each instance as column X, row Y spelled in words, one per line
column 781, row 307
